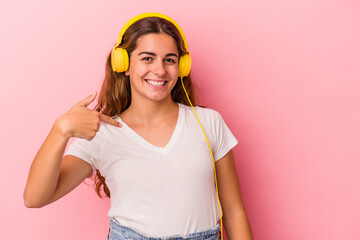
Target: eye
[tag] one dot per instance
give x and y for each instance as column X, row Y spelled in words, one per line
column 170, row 60
column 147, row 59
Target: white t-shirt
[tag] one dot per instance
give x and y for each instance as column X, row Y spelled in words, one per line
column 161, row 191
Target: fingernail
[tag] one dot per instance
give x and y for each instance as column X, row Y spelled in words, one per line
column 93, row 94
column 119, row 124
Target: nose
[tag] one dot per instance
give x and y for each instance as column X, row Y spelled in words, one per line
column 159, row 68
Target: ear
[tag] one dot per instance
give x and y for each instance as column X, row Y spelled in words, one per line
column 127, row 73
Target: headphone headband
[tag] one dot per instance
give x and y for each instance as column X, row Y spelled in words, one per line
column 145, row 15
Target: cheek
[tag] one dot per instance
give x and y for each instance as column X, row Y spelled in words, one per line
column 137, row 69
column 174, row 70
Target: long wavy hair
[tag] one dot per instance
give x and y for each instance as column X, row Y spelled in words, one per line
column 115, row 93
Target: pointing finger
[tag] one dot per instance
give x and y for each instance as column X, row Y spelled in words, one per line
column 109, row 120
column 86, row 101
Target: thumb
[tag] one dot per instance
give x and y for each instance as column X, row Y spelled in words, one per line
column 86, row 101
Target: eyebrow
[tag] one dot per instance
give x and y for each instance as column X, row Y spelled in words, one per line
column 153, row 54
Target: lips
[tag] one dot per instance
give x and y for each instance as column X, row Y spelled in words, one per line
column 156, row 83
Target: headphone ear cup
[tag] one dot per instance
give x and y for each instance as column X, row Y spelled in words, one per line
column 184, row 65
column 119, row 60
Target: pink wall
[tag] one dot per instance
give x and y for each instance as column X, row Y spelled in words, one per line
column 284, row 74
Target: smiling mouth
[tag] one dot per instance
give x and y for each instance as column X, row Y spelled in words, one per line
column 156, row 83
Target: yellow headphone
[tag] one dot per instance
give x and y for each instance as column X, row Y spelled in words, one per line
column 120, row 57
column 120, row 63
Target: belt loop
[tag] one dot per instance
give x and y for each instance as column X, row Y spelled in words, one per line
column 108, row 233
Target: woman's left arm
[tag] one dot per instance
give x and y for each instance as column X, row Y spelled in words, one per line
column 234, row 216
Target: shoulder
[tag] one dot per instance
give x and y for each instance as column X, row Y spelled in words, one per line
column 201, row 109
column 203, row 112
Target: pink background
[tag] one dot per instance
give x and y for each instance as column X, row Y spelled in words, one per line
column 284, row 75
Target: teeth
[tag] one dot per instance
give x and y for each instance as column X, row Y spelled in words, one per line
column 156, row 84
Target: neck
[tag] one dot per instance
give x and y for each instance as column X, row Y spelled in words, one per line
column 150, row 112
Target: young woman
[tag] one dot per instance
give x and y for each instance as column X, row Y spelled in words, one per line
column 145, row 146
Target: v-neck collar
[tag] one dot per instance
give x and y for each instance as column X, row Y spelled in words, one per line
column 144, row 143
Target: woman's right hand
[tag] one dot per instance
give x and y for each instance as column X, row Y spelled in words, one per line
column 82, row 122
column 52, row 175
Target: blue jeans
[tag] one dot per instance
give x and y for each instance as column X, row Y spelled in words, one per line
column 119, row 232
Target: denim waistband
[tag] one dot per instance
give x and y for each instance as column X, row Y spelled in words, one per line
column 119, row 232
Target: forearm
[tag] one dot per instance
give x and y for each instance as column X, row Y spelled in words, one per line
column 237, row 227
column 45, row 169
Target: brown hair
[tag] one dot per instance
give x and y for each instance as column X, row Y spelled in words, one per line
column 115, row 93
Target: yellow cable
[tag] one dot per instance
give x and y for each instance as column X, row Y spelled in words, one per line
column 217, row 192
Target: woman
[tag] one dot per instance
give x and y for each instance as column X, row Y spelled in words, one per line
column 144, row 144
